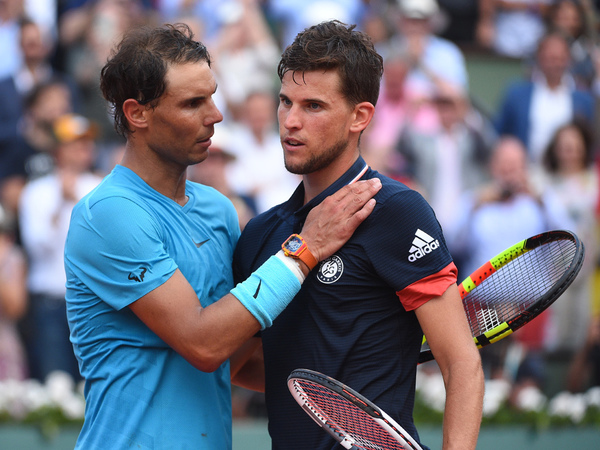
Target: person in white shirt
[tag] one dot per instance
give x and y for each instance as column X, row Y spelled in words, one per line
column 44, row 213
column 258, row 170
column 490, row 219
column 433, row 58
column 533, row 108
column 498, row 214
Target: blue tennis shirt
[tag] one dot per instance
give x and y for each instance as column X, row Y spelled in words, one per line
column 125, row 240
column 354, row 317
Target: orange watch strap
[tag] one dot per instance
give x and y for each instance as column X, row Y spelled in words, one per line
column 308, row 258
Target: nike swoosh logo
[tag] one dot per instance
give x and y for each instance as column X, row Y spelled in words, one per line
column 200, row 244
column 257, row 289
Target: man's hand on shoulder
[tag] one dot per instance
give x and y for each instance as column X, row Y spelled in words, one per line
column 330, row 224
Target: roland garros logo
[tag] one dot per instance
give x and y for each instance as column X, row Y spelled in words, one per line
column 330, row 270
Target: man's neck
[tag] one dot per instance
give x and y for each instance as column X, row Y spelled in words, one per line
column 317, row 182
column 169, row 180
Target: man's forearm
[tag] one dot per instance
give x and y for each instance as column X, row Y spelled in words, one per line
column 464, row 404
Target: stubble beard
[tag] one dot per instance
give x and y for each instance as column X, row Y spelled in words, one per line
column 318, row 161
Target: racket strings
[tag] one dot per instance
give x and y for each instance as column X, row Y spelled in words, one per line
column 517, row 286
column 345, row 418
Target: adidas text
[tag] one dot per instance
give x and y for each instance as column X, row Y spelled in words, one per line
column 423, row 244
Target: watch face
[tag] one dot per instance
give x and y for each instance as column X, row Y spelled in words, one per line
column 294, row 244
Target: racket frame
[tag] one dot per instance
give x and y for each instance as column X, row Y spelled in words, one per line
column 506, row 328
column 379, row 416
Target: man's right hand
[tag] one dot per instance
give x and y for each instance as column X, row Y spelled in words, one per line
column 329, row 225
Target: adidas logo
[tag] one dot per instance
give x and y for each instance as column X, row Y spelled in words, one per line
column 422, row 245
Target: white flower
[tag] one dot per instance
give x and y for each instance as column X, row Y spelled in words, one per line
column 73, row 407
column 568, row 405
column 592, row 397
column 432, row 390
column 530, row 398
column 496, row 393
column 59, row 386
column 34, row 395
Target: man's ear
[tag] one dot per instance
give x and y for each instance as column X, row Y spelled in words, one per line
column 135, row 113
column 363, row 113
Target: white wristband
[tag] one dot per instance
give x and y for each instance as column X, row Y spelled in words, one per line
column 292, row 264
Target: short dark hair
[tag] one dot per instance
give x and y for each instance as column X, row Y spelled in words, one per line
column 335, row 45
column 138, row 66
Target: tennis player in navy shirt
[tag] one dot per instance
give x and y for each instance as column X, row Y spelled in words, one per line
column 156, row 323
column 361, row 313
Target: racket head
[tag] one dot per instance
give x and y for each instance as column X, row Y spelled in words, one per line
column 518, row 284
column 350, row 418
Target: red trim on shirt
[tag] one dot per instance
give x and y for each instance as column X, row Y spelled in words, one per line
column 420, row 292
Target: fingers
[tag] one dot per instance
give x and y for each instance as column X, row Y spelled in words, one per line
column 329, row 225
column 358, row 193
column 349, row 200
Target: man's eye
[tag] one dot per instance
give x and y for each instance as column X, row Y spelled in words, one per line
column 314, row 106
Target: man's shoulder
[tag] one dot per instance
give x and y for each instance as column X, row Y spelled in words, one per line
column 394, row 190
column 113, row 196
column 519, row 86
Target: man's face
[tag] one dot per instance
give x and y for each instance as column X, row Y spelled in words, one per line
column 508, row 165
column 554, row 58
column 181, row 125
column 314, row 121
column 32, row 43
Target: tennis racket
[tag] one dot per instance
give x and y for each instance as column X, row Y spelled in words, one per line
column 352, row 420
column 515, row 286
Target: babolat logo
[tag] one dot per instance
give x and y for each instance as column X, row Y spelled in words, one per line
column 422, row 245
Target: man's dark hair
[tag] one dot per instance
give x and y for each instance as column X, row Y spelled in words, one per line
column 138, row 66
column 334, row 45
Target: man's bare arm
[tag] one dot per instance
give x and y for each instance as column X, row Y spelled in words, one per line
column 444, row 323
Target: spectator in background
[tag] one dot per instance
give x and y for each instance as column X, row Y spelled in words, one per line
column 11, row 12
column 533, row 109
column 572, row 18
column 292, row 16
column 512, row 27
column 397, row 108
column 212, row 13
column 212, row 172
column 29, row 156
column 258, row 170
column 569, row 172
column 45, row 14
column 376, row 22
column 503, row 211
column 13, row 301
column 490, row 219
column 449, row 160
column 87, row 35
column 433, row 59
column 246, row 56
column 36, row 48
column 44, row 213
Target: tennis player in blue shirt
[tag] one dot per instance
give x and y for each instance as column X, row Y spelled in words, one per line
column 153, row 312
column 361, row 313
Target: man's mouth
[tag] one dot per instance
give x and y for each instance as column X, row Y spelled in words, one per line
column 293, row 142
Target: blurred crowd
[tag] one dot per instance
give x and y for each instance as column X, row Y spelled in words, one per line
column 494, row 177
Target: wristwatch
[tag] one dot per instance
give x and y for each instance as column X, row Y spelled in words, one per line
column 295, row 247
